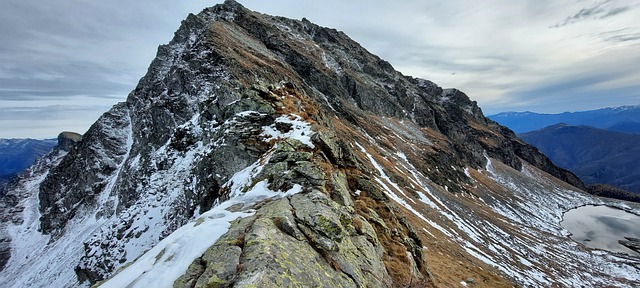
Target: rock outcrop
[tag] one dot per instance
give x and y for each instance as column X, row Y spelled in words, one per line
column 67, row 139
column 631, row 243
column 337, row 171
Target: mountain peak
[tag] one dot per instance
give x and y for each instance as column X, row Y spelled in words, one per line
column 232, row 3
column 228, row 9
column 559, row 125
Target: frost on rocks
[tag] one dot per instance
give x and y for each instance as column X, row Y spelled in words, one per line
column 331, row 63
column 169, row 259
column 298, row 129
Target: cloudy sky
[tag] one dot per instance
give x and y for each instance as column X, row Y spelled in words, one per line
column 63, row 63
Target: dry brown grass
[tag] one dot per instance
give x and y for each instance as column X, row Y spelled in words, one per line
column 447, row 263
column 250, row 56
column 395, row 253
column 357, row 223
column 293, row 102
column 239, row 241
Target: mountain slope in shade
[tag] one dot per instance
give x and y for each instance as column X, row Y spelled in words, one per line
column 626, row 127
column 260, row 151
column 623, row 119
column 604, row 190
column 595, row 155
column 18, row 154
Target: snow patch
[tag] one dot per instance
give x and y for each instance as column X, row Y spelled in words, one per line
column 300, row 130
column 331, row 63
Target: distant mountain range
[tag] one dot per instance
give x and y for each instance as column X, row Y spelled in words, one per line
column 623, row 119
column 595, row 155
column 18, row 154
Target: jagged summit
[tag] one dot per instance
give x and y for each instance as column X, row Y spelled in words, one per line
column 270, row 152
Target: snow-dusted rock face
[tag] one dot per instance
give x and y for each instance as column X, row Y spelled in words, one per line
column 267, row 152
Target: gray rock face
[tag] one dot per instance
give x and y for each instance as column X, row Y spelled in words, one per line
column 67, row 185
column 272, row 250
column 304, row 240
column 11, row 207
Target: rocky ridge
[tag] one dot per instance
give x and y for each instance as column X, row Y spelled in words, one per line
column 333, row 168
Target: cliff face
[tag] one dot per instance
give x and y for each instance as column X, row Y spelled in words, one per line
column 265, row 151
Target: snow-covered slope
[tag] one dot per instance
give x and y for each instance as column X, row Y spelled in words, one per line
column 170, row 258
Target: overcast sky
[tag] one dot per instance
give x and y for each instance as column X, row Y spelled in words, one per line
column 63, row 63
